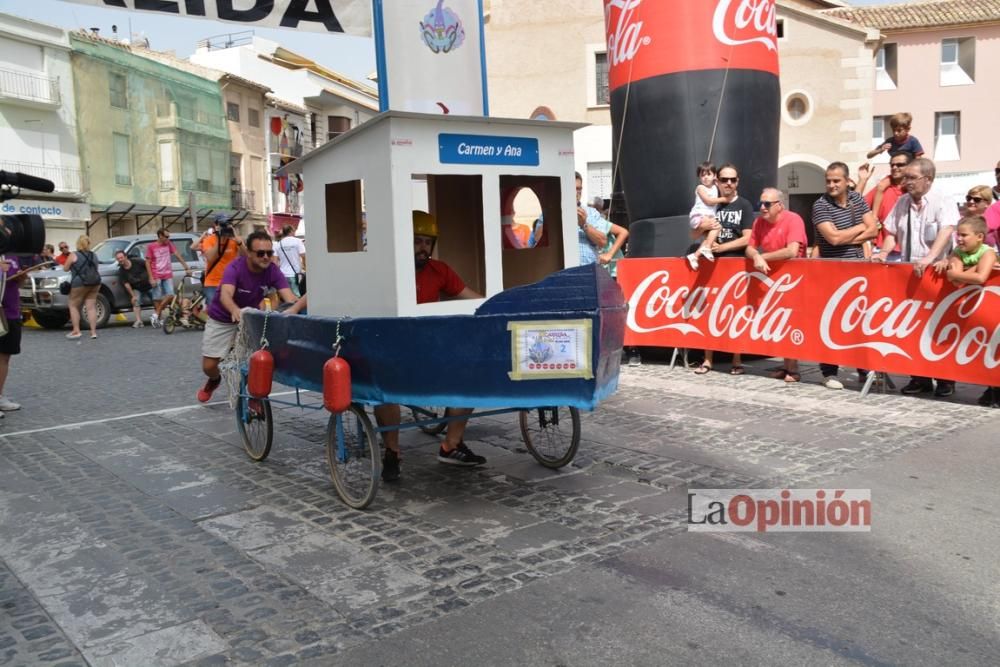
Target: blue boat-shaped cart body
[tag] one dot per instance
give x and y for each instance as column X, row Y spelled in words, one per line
column 554, row 342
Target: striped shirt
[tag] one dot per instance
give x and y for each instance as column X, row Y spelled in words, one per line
column 826, row 210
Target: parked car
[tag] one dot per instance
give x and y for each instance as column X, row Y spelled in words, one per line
column 50, row 308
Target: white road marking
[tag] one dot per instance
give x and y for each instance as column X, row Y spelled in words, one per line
column 165, row 411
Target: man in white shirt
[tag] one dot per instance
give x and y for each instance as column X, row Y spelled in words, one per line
column 921, row 225
column 291, row 254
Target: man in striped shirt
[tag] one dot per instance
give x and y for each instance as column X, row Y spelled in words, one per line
column 843, row 223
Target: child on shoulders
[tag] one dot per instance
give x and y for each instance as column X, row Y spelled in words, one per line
column 901, row 140
column 706, row 198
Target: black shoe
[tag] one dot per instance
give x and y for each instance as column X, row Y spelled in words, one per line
column 460, row 456
column 390, row 466
column 914, row 387
column 945, row 389
column 990, row 398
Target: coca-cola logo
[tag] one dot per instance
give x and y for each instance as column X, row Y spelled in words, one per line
column 850, row 311
column 625, row 36
column 716, row 311
column 740, row 22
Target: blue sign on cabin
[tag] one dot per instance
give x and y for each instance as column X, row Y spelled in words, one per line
column 483, row 149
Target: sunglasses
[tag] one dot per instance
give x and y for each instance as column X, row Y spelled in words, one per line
column 729, row 179
column 264, row 253
column 766, row 204
column 897, row 165
column 974, row 200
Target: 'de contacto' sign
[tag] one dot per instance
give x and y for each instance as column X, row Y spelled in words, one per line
column 482, row 149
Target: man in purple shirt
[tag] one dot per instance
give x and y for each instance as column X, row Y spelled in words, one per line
column 11, row 343
column 245, row 283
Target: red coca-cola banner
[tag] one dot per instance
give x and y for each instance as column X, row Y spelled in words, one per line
column 653, row 37
column 859, row 315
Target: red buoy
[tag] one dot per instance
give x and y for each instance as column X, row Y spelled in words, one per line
column 336, row 385
column 260, row 375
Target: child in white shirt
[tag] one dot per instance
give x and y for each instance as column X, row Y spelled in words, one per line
column 706, row 198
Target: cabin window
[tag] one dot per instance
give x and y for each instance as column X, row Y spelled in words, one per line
column 532, row 228
column 345, row 218
column 456, row 201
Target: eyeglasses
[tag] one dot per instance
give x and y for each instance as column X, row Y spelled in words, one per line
column 974, row 200
column 264, row 253
column 897, row 165
column 767, row 204
column 911, row 177
column 729, row 179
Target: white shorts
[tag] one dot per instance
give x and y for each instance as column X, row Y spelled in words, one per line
column 218, row 338
column 696, row 216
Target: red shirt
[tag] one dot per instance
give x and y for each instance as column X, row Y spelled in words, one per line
column 61, row 259
column 889, row 197
column 437, row 277
column 768, row 237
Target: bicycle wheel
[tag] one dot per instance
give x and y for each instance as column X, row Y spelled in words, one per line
column 420, row 414
column 552, row 435
column 353, row 454
column 169, row 324
column 255, row 424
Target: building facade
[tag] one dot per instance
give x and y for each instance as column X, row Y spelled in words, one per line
column 244, row 102
column 151, row 136
column 38, row 132
column 937, row 61
column 332, row 104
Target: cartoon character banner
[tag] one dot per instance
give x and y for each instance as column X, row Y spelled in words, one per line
column 353, row 17
column 431, row 56
column 856, row 314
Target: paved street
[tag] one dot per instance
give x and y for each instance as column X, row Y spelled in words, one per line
column 135, row 531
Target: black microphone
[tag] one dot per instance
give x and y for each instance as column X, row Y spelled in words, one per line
column 17, row 179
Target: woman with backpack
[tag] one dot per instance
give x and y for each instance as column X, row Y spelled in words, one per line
column 85, row 283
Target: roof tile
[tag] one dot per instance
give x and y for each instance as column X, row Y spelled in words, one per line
column 921, row 14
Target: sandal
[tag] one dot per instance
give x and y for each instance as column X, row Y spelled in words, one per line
column 701, row 370
column 792, row 376
column 780, row 374
column 736, row 370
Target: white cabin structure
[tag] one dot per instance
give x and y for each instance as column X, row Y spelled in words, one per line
column 467, row 171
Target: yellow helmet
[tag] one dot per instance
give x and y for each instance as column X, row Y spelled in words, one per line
column 424, row 224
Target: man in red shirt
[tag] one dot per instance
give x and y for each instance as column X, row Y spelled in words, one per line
column 777, row 234
column 433, row 278
column 883, row 196
column 63, row 253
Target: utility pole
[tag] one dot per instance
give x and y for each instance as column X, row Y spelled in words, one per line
column 194, row 217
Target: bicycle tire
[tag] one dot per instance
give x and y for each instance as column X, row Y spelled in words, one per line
column 255, row 424
column 544, row 437
column 168, row 325
column 354, row 467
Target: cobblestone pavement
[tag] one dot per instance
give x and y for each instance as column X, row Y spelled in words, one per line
column 153, row 539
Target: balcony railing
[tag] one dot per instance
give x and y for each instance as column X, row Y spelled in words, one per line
column 30, row 87
column 243, row 199
column 64, row 178
column 171, row 110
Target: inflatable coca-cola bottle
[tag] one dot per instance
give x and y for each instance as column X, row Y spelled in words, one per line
column 690, row 80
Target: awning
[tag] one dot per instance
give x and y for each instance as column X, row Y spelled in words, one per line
column 144, row 214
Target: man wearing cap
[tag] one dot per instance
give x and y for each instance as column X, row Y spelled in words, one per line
column 434, row 278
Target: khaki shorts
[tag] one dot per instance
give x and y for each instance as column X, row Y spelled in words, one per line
column 218, row 338
column 77, row 295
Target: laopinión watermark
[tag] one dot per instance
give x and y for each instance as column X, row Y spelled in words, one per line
column 779, row 510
